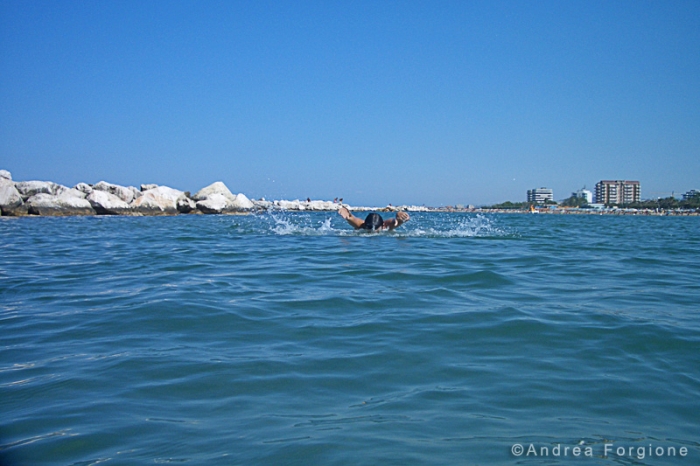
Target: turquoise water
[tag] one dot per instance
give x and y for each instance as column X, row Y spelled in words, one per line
column 291, row 339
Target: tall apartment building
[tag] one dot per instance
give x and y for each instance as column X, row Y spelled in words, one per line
column 540, row 195
column 617, row 192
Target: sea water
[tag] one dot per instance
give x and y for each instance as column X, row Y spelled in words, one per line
column 289, row 338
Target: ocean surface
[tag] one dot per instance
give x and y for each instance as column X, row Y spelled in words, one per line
column 291, row 339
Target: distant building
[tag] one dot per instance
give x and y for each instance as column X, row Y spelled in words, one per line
column 584, row 194
column 691, row 194
column 540, row 195
column 617, row 192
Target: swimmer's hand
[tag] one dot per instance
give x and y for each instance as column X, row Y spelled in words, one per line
column 344, row 212
column 401, row 218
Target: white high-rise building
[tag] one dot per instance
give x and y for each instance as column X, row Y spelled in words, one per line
column 584, row 194
column 540, row 195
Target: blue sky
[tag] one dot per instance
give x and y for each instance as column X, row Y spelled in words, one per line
column 403, row 102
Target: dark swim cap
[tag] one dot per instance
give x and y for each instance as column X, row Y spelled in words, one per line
column 373, row 222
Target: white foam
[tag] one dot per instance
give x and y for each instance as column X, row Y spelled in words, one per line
column 302, row 225
column 438, row 226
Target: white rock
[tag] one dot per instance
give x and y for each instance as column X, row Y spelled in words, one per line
column 154, row 205
column 158, row 201
column 221, row 204
column 214, row 188
column 166, row 192
column 289, row 205
column 124, row 193
column 84, row 187
column 322, row 205
column 4, row 174
column 241, row 202
column 72, row 192
column 216, row 199
column 146, row 187
column 106, row 203
column 263, row 204
column 29, row 188
column 306, row 205
column 214, row 203
column 9, row 197
column 64, row 204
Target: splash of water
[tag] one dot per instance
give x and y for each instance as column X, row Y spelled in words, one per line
column 437, row 226
column 301, row 225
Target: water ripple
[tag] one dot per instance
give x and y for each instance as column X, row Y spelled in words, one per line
column 292, row 339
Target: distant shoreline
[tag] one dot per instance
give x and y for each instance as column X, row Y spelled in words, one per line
column 614, row 212
column 254, row 211
column 49, row 199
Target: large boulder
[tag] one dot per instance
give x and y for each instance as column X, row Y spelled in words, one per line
column 5, row 175
column 106, row 203
column 214, row 188
column 217, row 199
column 126, row 194
column 160, row 200
column 215, row 203
column 66, row 203
column 219, row 204
column 30, row 188
column 10, row 198
column 146, row 187
column 241, row 202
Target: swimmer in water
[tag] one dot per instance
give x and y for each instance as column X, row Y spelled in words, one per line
column 374, row 221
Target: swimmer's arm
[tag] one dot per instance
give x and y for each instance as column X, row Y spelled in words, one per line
column 401, row 218
column 350, row 218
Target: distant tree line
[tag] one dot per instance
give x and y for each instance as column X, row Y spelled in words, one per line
column 574, row 201
column 510, row 206
column 666, row 203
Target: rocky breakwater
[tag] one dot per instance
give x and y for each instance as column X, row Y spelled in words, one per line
column 46, row 198
column 297, row 205
column 329, row 206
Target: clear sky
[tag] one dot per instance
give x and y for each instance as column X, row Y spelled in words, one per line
column 403, row 102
